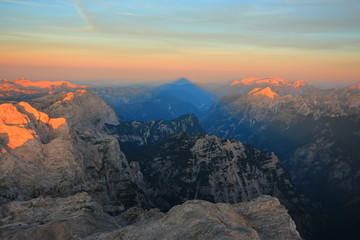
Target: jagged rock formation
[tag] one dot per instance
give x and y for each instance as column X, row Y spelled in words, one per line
column 136, row 133
column 78, row 217
column 184, row 167
column 170, row 169
column 73, row 217
column 64, row 149
column 197, row 219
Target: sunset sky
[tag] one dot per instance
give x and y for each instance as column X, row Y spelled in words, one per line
column 203, row 40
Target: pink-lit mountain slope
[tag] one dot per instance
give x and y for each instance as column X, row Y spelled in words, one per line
column 25, row 89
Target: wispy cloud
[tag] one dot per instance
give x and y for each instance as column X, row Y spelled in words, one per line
column 129, row 14
column 64, row 2
column 15, row 34
column 27, row 3
column 84, row 14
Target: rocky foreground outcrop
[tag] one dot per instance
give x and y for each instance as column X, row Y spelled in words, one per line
column 78, row 217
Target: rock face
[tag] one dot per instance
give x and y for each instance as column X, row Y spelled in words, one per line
column 36, row 153
column 197, row 219
column 184, row 167
column 73, row 217
column 78, row 217
column 64, row 149
column 136, row 133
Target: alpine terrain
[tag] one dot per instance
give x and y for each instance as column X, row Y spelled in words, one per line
column 72, row 168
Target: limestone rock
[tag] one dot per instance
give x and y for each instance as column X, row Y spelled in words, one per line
column 137, row 133
column 57, row 145
column 73, row 217
column 184, row 167
column 78, row 217
column 262, row 218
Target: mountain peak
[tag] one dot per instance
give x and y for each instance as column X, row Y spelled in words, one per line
column 272, row 81
column 355, row 86
column 182, row 81
column 254, row 80
column 46, row 84
column 267, row 92
column 299, row 83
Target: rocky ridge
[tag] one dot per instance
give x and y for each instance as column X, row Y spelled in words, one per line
column 78, row 217
column 25, row 89
column 278, row 85
column 183, row 167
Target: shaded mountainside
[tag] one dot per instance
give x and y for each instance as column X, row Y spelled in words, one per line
column 316, row 137
column 61, row 149
column 189, row 92
column 167, row 101
column 144, row 105
column 79, row 217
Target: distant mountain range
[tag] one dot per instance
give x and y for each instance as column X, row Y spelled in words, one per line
column 278, row 85
column 25, row 89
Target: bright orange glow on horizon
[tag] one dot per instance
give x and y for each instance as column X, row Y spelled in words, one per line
column 91, row 41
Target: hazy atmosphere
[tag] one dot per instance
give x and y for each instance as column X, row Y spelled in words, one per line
column 205, row 41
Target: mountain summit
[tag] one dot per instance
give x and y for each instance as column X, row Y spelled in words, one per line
column 188, row 92
column 267, row 92
column 182, row 81
column 278, row 85
column 270, row 81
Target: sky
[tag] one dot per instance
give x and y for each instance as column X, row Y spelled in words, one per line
column 203, row 40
